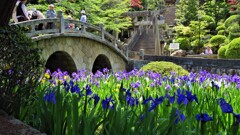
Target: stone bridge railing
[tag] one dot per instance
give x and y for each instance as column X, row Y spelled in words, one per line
column 60, row 23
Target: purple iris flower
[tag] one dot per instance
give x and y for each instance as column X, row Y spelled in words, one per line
column 132, row 101
column 226, row 108
column 71, row 87
column 50, row 97
column 108, row 103
column 170, row 99
column 215, row 86
column 237, row 116
column 75, row 88
column 191, row 97
column 156, row 102
column 136, row 85
column 172, row 80
column 181, row 97
column 238, row 85
column 96, row 99
column 105, row 70
column 179, row 116
column 88, row 90
column 203, row 117
column 147, row 100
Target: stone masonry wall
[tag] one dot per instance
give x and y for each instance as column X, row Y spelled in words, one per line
column 82, row 50
column 216, row 66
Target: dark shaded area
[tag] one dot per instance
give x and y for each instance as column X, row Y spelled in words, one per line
column 6, row 8
column 100, row 63
column 61, row 60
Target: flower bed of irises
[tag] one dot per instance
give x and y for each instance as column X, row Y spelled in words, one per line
column 136, row 102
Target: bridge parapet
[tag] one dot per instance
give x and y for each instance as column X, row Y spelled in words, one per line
column 60, row 23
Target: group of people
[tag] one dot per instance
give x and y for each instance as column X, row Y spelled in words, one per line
column 20, row 14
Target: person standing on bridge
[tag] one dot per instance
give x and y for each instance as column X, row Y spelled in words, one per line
column 83, row 16
column 22, row 14
column 51, row 14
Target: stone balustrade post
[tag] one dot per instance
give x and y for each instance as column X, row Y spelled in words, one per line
column 126, row 47
column 32, row 29
column 62, row 21
column 102, row 30
column 141, row 53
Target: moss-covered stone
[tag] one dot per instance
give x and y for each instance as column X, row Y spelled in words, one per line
column 164, row 68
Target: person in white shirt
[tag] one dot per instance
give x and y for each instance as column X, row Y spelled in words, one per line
column 83, row 16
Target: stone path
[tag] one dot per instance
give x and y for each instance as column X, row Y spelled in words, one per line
column 12, row 126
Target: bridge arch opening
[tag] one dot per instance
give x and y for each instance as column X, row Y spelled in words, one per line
column 61, row 60
column 100, row 63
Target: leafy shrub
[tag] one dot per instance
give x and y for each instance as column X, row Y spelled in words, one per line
column 222, row 51
column 234, row 31
column 20, row 65
column 184, row 43
column 220, row 27
column 210, row 22
column 217, row 41
column 232, row 19
column 233, row 50
column 221, row 32
column 164, row 68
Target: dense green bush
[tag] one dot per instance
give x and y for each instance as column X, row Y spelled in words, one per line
column 164, row 68
column 210, row 22
column 234, row 31
column 233, row 50
column 184, row 43
column 222, row 51
column 220, row 27
column 20, row 66
column 217, row 41
column 222, row 32
column 232, row 19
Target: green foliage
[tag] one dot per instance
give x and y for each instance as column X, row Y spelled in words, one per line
column 187, row 10
column 220, row 27
column 198, row 32
column 153, row 4
column 211, row 24
column 218, row 9
column 164, row 68
column 222, row 51
column 184, row 43
column 183, row 31
column 231, row 20
column 218, row 40
column 222, row 32
column 234, row 31
column 108, row 12
column 233, row 50
column 20, row 68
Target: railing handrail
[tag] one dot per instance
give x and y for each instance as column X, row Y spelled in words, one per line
column 60, row 28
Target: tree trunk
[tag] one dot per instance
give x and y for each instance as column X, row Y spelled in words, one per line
column 6, row 8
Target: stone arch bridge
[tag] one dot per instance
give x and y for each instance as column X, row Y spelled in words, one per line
column 90, row 48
